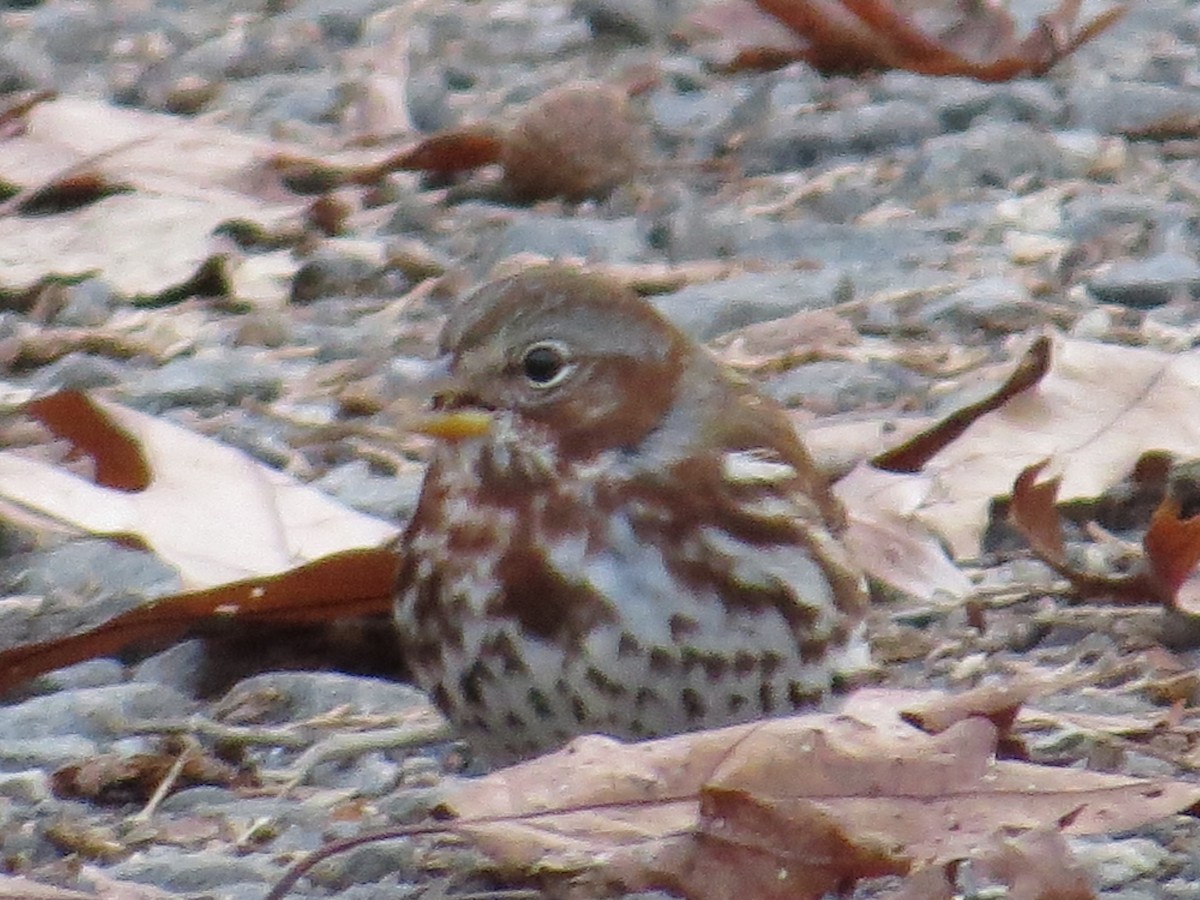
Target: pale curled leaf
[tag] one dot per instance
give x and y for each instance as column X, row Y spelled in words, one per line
column 177, row 180
column 210, row 510
column 882, row 792
column 1094, row 426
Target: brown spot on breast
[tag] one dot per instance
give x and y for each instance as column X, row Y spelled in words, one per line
column 715, row 666
column 661, row 662
column 578, row 709
column 627, row 646
column 513, row 721
column 770, row 663
column 502, row 649
column 694, row 706
column 744, row 663
column 603, row 683
column 539, row 704
column 682, row 627
column 812, row 649
column 472, row 681
column 766, row 698
column 800, row 696
column 442, row 700
column 548, row 606
column 645, row 696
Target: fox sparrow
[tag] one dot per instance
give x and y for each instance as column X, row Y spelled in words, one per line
column 615, row 534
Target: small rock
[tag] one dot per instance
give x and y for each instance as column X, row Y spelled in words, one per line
column 192, row 871
column 391, row 497
column 833, row 386
column 180, row 666
column 705, row 311
column 28, row 787
column 217, row 377
column 1145, row 283
column 96, row 713
column 1120, row 107
column 1113, row 863
column 597, row 240
column 992, row 155
column 634, row 21
column 302, row 695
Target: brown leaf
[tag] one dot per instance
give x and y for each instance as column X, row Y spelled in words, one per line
column 1033, row 512
column 208, row 509
column 998, row 703
column 134, row 195
column 578, row 142
column 888, row 544
column 913, row 454
column 252, row 543
column 113, row 778
column 444, row 154
column 934, row 38
column 116, row 456
column 862, row 791
column 344, row 585
column 1172, row 547
column 1037, row 865
column 1095, row 427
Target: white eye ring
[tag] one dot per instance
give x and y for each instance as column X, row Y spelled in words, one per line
column 546, row 364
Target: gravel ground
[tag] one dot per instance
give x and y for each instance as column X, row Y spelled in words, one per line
column 935, row 212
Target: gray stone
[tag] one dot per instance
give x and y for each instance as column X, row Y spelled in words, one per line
column 989, row 304
column 180, row 666
column 988, row 156
column 391, row 497
column 97, row 713
column 28, row 787
column 1145, row 283
column 79, row 372
column 705, row 311
column 75, row 586
column 634, row 21
column 87, row 674
column 596, row 240
column 219, row 376
column 1119, row 107
column 331, row 273
column 832, row 386
column 1114, row 863
column 302, row 695
column 73, row 32
column 812, row 136
column 189, row 871
column 365, row 864
column 18, row 754
column 89, row 303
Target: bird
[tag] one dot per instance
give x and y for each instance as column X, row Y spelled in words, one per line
column 615, row 533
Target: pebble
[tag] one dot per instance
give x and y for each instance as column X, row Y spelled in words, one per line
column 220, row 377
column 1146, row 283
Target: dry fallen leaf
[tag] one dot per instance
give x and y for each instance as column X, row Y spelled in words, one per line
column 251, row 543
column 1164, row 574
column 132, row 194
column 1093, row 426
column 931, row 37
column 207, row 509
column 860, row 793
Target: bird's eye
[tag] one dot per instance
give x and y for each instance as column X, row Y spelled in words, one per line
column 545, row 365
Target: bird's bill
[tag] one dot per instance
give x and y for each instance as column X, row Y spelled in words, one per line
column 454, row 424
